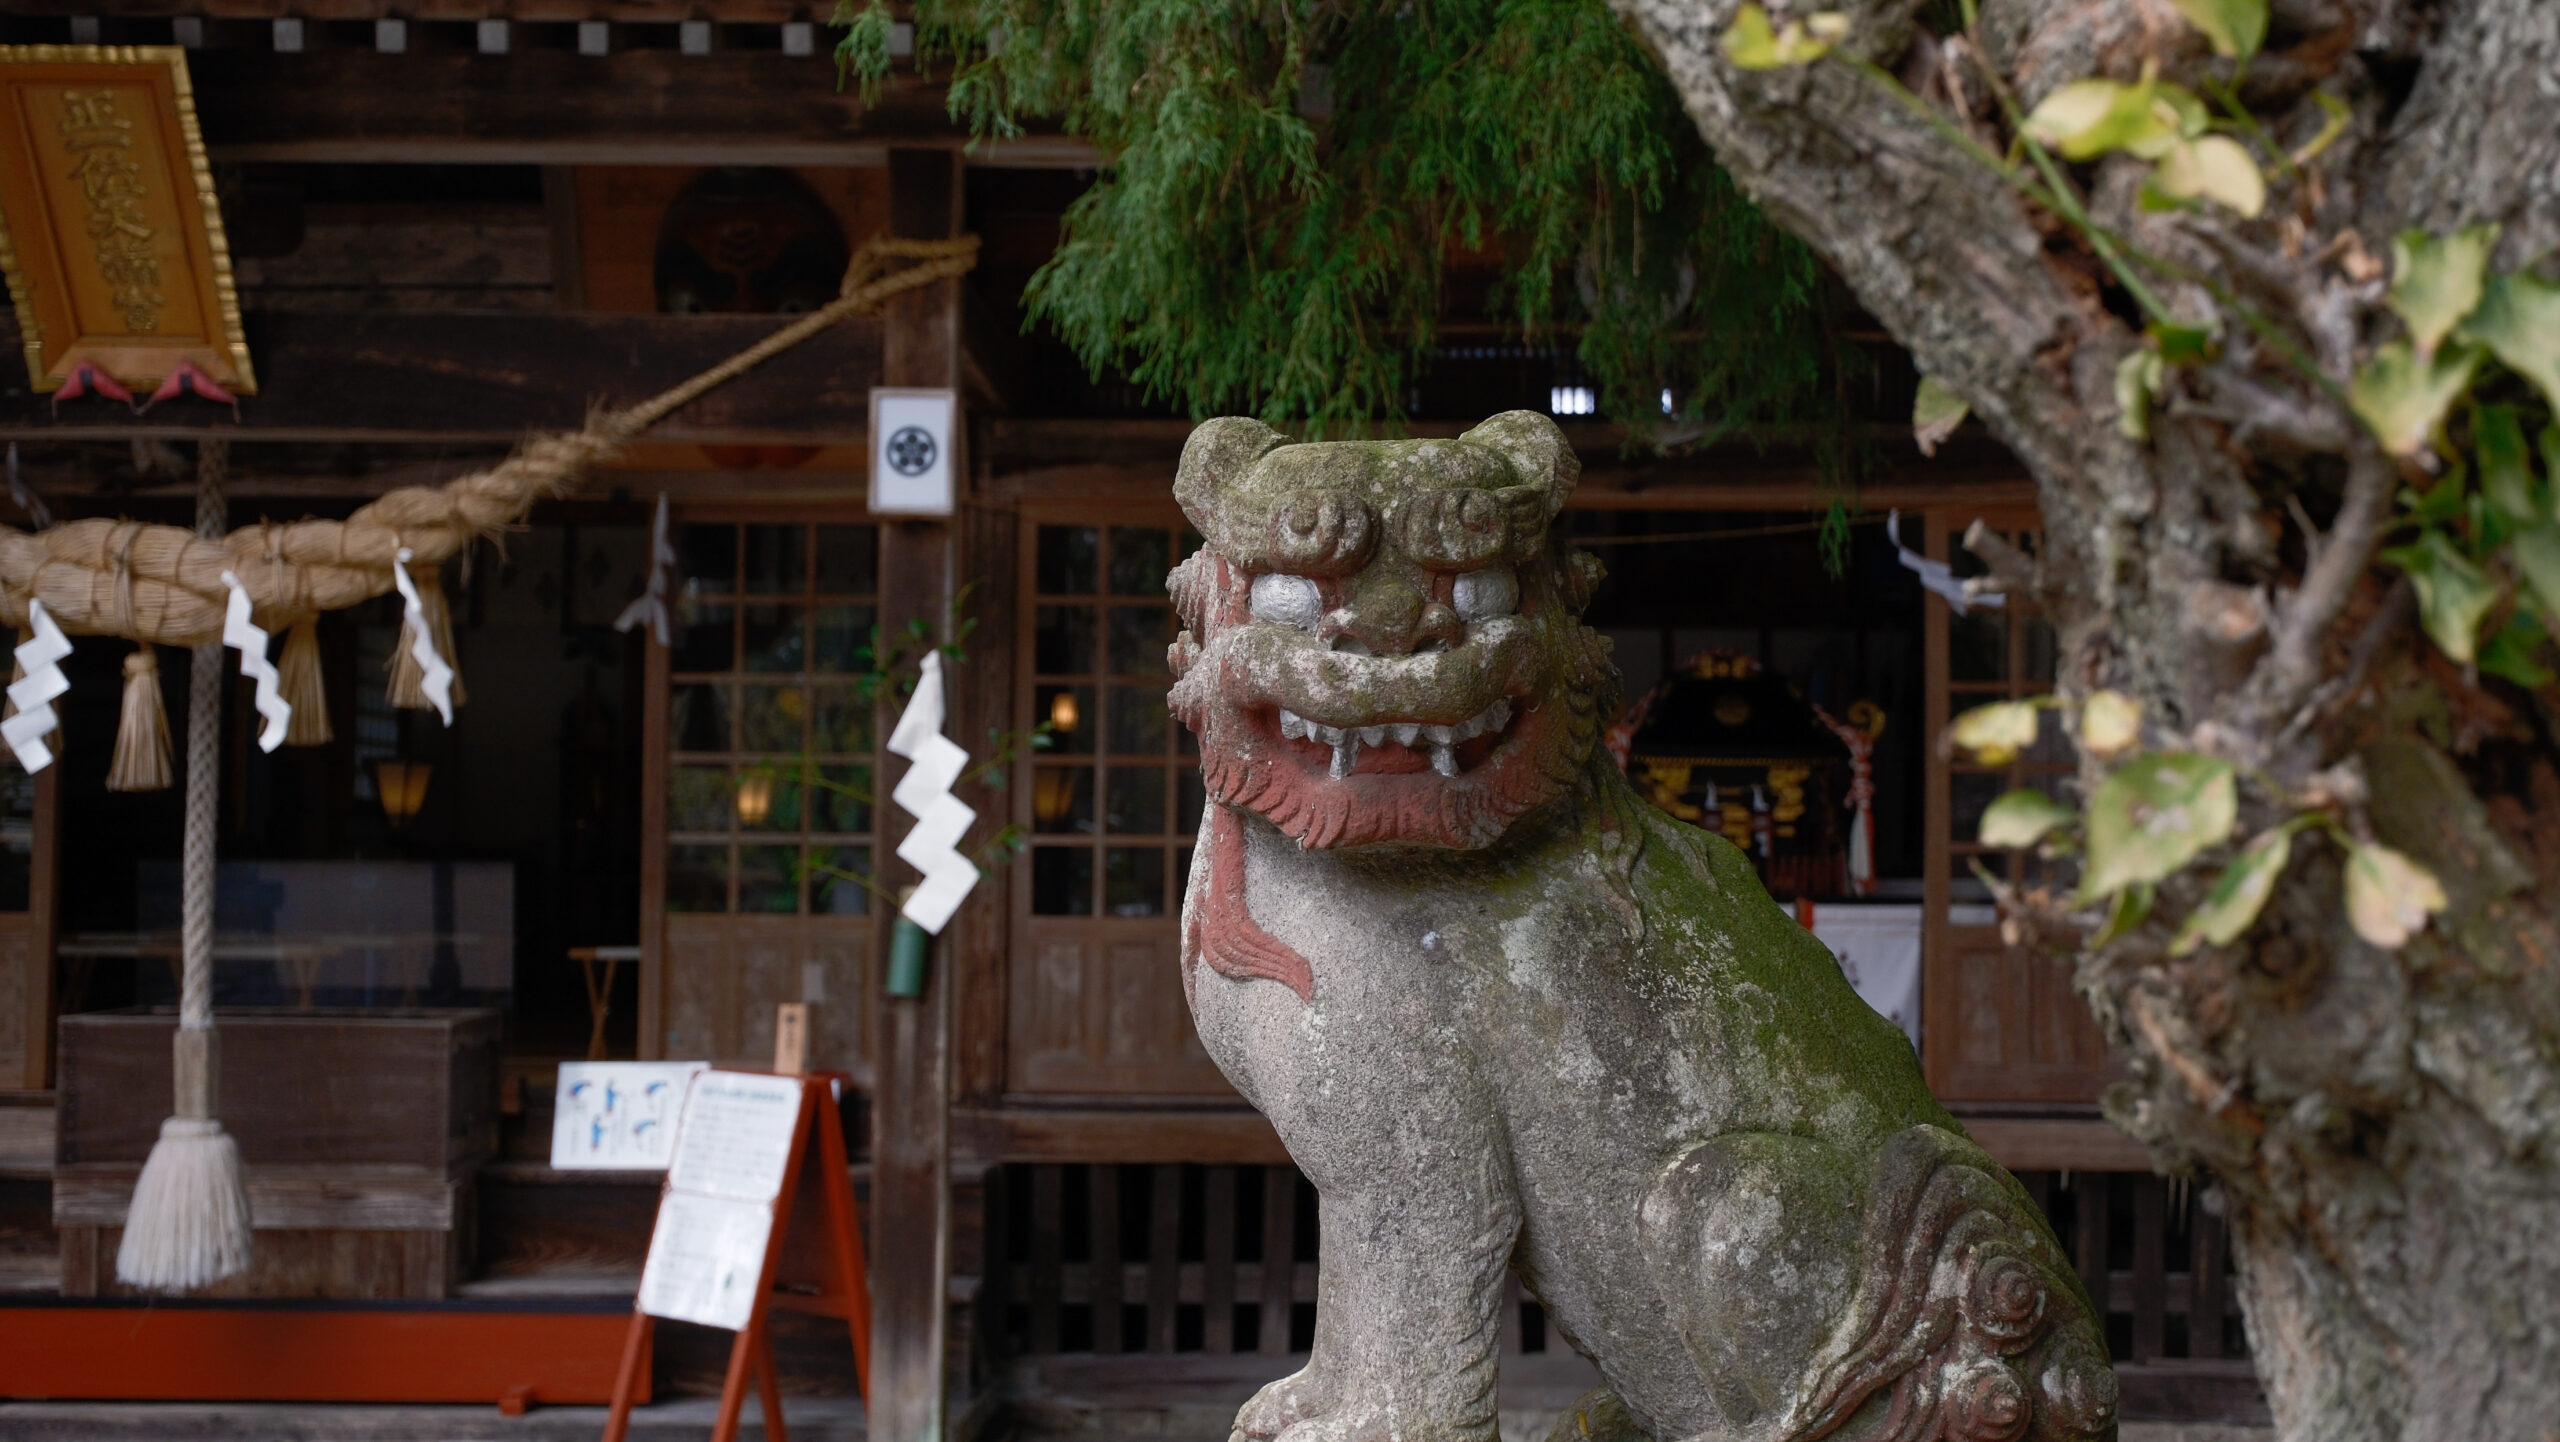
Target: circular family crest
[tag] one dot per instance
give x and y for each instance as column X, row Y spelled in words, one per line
column 911, row 450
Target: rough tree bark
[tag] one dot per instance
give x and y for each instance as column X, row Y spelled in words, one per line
column 2382, row 1129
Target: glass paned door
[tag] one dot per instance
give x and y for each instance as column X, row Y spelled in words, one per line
column 770, row 697
column 1999, row 1024
column 1111, row 805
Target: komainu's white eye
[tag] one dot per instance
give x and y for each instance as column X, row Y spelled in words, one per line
column 1286, row 601
column 1483, row 595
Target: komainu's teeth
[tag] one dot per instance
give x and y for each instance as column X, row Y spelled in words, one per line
column 1497, row 715
column 1292, row 725
column 1373, row 735
column 1346, row 754
column 1466, row 730
column 1329, row 735
column 1444, row 760
column 1406, row 733
column 1440, row 735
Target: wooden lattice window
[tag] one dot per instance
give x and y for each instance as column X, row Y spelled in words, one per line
column 770, row 720
column 1115, row 797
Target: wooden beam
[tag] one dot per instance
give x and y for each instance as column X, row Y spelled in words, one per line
column 1233, row 1135
column 556, row 107
column 911, row 1112
column 490, row 376
column 1133, row 1134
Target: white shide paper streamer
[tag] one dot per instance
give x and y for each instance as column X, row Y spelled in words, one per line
column 932, row 847
column 1938, row 576
column 41, row 654
column 650, row 606
column 435, row 678
column 242, row 635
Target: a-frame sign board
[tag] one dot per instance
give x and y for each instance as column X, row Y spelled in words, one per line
column 750, row 1140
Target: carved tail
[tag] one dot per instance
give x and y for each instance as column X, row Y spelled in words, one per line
column 1968, row 1322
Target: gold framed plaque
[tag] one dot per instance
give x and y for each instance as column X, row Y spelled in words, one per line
column 110, row 234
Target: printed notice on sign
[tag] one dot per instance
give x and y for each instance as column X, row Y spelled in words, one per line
column 736, row 1138
column 706, row 1259
column 732, row 1150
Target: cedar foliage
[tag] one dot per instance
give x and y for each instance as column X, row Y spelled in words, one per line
column 1289, row 179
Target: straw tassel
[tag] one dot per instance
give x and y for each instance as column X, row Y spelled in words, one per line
column 300, row 668
column 408, row 680
column 142, row 735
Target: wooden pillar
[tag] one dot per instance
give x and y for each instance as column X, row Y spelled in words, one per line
column 911, row 1111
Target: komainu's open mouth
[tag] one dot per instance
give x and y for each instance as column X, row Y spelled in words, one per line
column 1442, row 743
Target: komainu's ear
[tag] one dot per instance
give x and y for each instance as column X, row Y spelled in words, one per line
column 1217, row 454
column 1536, row 450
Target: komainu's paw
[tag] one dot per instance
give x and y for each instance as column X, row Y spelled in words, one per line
column 1281, row 1405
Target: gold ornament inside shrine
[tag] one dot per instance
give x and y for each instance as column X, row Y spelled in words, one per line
column 110, row 234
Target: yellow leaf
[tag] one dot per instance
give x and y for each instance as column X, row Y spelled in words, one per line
column 2401, row 395
column 2022, row 818
column 1935, row 414
column 2087, row 118
column 2110, row 721
column 1751, row 43
column 2215, row 168
column 2436, row 280
column 1996, row 733
column 2389, row 897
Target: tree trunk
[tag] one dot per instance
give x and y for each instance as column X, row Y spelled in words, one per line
column 2382, row 1128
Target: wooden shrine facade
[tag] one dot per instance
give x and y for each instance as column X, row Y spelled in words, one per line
column 456, row 228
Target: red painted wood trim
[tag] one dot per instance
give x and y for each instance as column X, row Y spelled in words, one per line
column 314, row 1354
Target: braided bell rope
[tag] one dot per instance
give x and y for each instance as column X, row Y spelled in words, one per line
column 164, row 583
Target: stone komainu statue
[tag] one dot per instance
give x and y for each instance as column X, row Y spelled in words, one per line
column 1507, row 1016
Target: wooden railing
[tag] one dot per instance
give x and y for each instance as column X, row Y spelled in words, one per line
column 1221, row 1259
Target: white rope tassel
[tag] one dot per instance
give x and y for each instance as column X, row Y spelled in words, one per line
column 242, row 635
column 933, row 846
column 188, row 1225
column 650, row 606
column 435, row 678
column 41, row 653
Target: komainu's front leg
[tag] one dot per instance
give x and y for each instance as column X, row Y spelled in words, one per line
column 1407, row 1305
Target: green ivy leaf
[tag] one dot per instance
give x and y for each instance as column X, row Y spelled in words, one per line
column 2233, row 27
column 2333, row 123
column 2537, row 558
column 2153, row 815
column 2389, row 897
column 2138, row 378
column 2238, row 897
column 2454, row 594
column 1996, row 733
column 2215, row 168
column 2519, row 319
column 2435, row 281
column 1752, row 44
column 2401, row 397
column 2516, row 653
column 2021, row 818
column 2181, row 345
column 2088, row 118
column 2131, row 905
column 1935, row 414
column 2506, row 468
